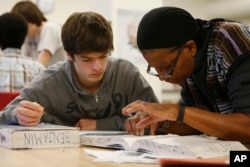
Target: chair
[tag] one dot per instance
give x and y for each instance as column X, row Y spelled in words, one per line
column 6, row 97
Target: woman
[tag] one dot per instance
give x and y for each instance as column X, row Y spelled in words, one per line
column 210, row 60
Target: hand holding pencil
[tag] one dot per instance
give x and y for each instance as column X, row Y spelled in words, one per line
column 29, row 113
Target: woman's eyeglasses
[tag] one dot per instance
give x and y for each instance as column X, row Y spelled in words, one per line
column 170, row 71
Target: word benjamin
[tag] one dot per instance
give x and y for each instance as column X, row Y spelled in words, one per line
column 48, row 137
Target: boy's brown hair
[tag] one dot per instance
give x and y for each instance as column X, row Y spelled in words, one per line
column 87, row 32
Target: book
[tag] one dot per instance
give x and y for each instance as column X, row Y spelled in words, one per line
column 103, row 133
column 40, row 136
column 165, row 146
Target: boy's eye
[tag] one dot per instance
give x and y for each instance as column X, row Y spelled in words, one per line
column 103, row 57
column 84, row 59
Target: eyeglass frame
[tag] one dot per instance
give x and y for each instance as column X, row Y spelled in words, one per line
column 170, row 72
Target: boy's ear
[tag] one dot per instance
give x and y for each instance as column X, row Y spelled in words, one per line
column 70, row 56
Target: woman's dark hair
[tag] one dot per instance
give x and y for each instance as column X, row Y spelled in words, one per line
column 166, row 27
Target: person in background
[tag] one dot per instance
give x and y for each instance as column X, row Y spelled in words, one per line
column 89, row 89
column 133, row 54
column 43, row 42
column 16, row 70
column 210, row 59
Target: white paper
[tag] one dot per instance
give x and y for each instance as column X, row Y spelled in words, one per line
column 120, row 156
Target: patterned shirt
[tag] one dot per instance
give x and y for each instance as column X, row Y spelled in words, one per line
column 16, row 70
column 221, row 82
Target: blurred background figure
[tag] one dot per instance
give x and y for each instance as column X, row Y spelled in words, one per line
column 132, row 31
column 43, row 41
column 16, row 70
column 134, row 54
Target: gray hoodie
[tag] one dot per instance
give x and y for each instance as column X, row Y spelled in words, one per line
column 66, row 102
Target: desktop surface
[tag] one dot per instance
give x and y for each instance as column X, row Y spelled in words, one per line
column 57, row 157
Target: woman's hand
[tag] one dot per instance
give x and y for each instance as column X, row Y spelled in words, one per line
column 152, row 113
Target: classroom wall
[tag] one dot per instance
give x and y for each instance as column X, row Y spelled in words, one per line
column 208, row 9
column 62, row 8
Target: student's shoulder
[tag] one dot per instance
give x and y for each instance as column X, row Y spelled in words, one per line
column 54, row 72
column 52, row 26
column 39, row 65
column 230, row 25
column 29, row 63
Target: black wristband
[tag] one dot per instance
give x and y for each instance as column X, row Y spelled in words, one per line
column 181, row 113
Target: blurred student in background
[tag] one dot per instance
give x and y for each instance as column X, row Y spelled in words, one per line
column 43, row 41
column 16, row 70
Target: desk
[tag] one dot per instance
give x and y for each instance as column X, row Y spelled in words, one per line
column 56, row 157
